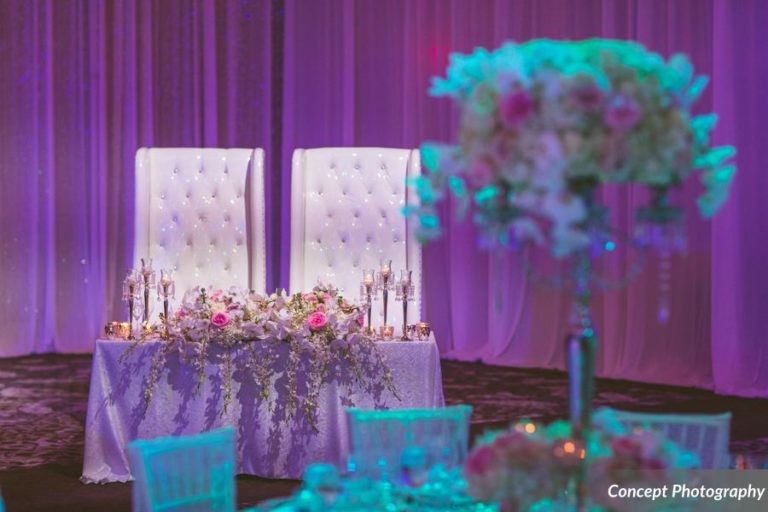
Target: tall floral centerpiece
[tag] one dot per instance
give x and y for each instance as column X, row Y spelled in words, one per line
column 544, row 125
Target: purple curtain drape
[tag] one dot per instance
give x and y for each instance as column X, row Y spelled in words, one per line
column 739, row 245
column 84, row 84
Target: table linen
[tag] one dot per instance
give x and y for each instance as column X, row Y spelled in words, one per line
column 265, row 448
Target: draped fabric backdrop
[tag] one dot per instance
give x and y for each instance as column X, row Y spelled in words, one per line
column 84, row 84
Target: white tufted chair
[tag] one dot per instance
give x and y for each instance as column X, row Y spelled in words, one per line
column 381, row 440
column 706, row 435
column 201, row 212
column 346, row 216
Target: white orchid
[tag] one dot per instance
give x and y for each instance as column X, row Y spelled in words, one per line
column 237, row 319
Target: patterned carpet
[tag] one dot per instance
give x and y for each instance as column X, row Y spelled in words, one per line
column 43, row 405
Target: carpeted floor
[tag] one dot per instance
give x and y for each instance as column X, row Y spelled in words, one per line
column 43, row 404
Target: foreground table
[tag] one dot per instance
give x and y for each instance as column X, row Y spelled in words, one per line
column 116, row 410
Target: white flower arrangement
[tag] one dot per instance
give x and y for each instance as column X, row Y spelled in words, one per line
column 544, row 123
column 321, row 331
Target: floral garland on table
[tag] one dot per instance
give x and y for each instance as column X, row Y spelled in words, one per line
column 320, row 329
column 530, row 466
column 545, row 122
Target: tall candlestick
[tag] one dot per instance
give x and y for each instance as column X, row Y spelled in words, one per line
column 165, row 290
column 386, row 300
column 130, row 314
column 130, row 287
column 367, row 293
column 404, row 293
column 148, row 282
column 385, row 282
column 404, row 337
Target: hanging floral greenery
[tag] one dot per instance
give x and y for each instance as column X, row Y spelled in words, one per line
column 303, row 338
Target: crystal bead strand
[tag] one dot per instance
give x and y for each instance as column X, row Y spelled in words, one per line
column 665, row 265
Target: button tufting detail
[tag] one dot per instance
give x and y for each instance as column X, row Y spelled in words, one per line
column 351, row 217
column 198, row 216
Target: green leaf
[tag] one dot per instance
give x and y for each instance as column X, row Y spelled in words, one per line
column 714, row 157
column 456, row 185
column 430, row 156
column 430, row 220
column 486, row 194
column 704, row 122
column 697, row 87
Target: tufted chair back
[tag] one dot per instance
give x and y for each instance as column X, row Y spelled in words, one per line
column 346, row 216
column 706, row 435
column 201, row 212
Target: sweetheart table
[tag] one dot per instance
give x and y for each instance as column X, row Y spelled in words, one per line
column 116, row 410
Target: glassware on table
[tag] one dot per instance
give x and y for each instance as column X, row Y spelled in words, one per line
column 166, row 287
column 386, row 282
column 423, row 330
column 166, row 290
column 414, row 467
column 368, row 287
column 147, row 276
column 405, row 293
column 137, row 327
column 124, row 330
column 323, row 480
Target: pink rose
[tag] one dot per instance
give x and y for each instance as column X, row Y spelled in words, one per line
column 220, row 319
column 317, row 320
column 623, row 113
column 515, row 108
column 217, row 295
column 309, row 297
column 320, row 307
column 327, row 297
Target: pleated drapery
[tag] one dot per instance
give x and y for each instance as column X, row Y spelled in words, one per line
column 84, row 84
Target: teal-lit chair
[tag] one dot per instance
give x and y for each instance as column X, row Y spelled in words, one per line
column 706, row 435
column 385, row 442
column 191, row 474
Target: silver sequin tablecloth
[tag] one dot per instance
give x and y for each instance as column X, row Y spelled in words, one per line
column 115, row 410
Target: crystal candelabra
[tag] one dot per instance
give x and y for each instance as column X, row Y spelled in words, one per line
column 405, row 292
column 131, row 287
column 368, row 293
column 659, row 227
column 166, row 290
column 147, row 284
column 386, row 280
